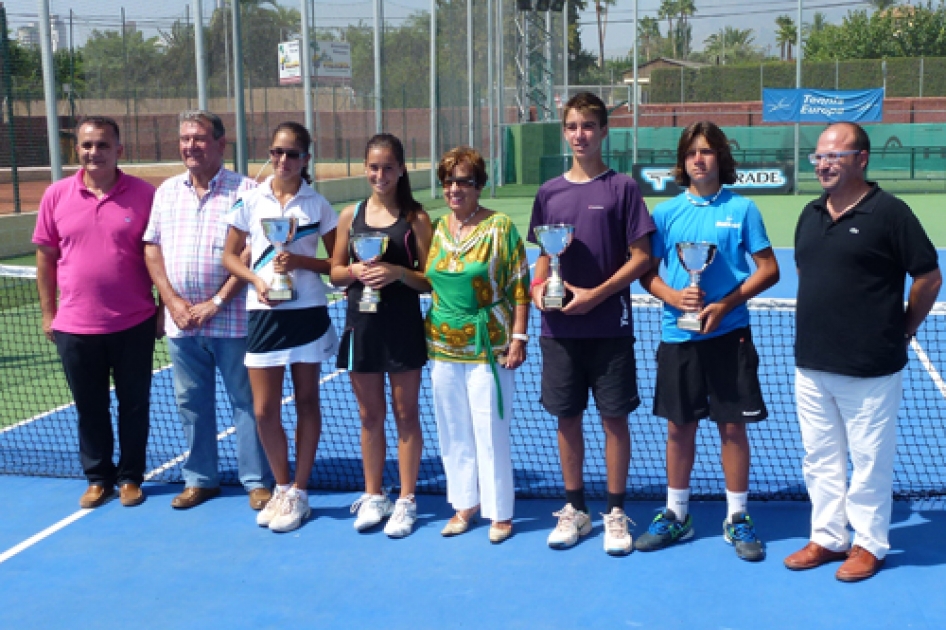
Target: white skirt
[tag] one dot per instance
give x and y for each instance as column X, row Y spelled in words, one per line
column 322, row 349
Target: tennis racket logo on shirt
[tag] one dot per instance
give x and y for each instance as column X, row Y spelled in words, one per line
column 554, row 240
column 280, row 231
column 369, row 247
column 695, row 258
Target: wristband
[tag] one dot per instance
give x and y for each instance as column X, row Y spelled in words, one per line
column 535, row 282
column 521, row 337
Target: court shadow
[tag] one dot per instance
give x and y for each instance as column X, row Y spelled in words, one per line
column 916, row 537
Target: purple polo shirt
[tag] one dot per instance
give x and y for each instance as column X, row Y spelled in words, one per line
column 609, row 214
column 104, row 286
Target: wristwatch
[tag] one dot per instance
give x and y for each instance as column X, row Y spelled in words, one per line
column 217, row 300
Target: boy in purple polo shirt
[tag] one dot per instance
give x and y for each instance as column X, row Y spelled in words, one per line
column 104, row 323
column 589, row 343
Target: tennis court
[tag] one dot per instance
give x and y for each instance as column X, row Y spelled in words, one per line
column 212, row 567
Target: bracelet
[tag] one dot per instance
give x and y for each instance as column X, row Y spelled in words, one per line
column 536, row 282
column 351, row 274
column 521, row 337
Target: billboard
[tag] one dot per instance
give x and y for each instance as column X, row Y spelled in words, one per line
column 822, row 106
column 774, row 178
column 331, row 63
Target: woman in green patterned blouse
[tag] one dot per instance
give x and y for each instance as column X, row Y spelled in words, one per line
column 476, row 337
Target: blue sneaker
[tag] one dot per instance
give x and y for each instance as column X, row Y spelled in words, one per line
column 665, row 531
column 739, row 532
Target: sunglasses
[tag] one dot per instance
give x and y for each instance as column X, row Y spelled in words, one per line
column 291, row 154
column 459, row 181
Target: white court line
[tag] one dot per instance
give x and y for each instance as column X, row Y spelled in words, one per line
column 930, row 368
column 72, row 518
column 46, row 414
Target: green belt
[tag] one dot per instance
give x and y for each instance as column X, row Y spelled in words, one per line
column 483, row 344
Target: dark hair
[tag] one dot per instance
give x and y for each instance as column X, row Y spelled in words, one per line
column 303, row 139
column 464, row 155
column 586, row 103
column 100, row 122
column 403, row 194
column 206, row 118
column 718, row 142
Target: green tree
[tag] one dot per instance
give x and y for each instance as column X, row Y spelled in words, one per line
column 601, row 16
column 685, row 9
column 118, row 66
column 668, row 11
column 648, row 37
column 902, row 31
column 730, row 45
column 785, row 36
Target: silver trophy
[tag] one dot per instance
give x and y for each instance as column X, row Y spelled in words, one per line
column 368, row 248
column 695, row 258
column 280, row 231
column 554, row 240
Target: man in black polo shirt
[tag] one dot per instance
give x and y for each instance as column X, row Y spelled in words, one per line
column 854, row 247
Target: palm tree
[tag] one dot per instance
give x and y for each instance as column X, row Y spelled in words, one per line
column 685, row 8
column 648, row 35
column 880, row 5
column 668, row 11
column 730, row 43
column 786, row 35
column 601, row 13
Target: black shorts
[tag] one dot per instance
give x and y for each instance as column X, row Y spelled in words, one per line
column 716, row 378
column 571, row 366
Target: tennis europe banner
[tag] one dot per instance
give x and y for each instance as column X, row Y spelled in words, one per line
column 806, row 105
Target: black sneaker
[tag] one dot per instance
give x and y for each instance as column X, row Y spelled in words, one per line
column 740, row 533
column 664, row 531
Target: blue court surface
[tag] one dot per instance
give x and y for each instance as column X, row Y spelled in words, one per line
column 212, row 567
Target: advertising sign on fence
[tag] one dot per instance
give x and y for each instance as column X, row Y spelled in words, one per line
column 331, row 63
column 753, row 179
column 822, row 106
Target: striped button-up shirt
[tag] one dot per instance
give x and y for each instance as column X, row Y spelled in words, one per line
column 191, row 232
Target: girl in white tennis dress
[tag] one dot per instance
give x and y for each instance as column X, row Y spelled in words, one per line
column 297, row 332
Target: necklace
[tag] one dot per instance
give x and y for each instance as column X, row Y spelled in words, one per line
column 464, row 222
column 838, row 215
column 702, row 203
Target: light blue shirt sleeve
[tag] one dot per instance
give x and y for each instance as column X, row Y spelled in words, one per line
column 754, row 236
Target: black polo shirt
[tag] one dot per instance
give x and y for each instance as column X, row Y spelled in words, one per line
column 851, row 279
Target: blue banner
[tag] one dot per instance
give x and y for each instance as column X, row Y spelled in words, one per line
column 822, row 106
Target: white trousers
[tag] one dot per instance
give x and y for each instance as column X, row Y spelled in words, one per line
column 841, row 416
column 474, row 441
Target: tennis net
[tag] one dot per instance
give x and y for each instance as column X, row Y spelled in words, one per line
column 38, row 418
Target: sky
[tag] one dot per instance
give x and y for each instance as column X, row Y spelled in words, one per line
column 711, row 16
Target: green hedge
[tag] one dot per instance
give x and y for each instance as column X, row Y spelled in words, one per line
column 728, row 84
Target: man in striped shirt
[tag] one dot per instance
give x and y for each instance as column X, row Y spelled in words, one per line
column 206, row 307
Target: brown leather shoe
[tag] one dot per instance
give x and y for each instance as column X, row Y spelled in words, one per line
column 130, row 494
column 860, row 565
column 95, row 496
column 192, row 497
column 812, row 555
column 259, row 497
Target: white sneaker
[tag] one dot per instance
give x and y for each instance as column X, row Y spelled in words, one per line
column 617, row 540
column 402, row 521
column 293, row 510
column 371, row 509
column 265, row 516
column 571, row 525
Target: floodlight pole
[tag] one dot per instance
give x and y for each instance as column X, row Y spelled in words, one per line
column 636, row 91
column 200, row 55
column 433, row 99
column 500, row 93
column 305, row 65
column 378, row 111
column 469, row 70
column 239, row 107
column 798, row 53
column 49, row 91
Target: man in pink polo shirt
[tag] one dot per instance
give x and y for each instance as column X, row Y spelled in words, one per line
column 98, row 308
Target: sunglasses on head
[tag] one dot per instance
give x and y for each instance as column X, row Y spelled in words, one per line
column 292, row 154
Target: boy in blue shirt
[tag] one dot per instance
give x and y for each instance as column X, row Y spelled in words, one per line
column 712, row 372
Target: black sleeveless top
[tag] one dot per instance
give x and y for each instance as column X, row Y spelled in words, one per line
column 391, row 340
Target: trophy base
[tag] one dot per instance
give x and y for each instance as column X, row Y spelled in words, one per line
column 694, row 325
column 281, row 295
column 551, row 303
column 367, row 307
